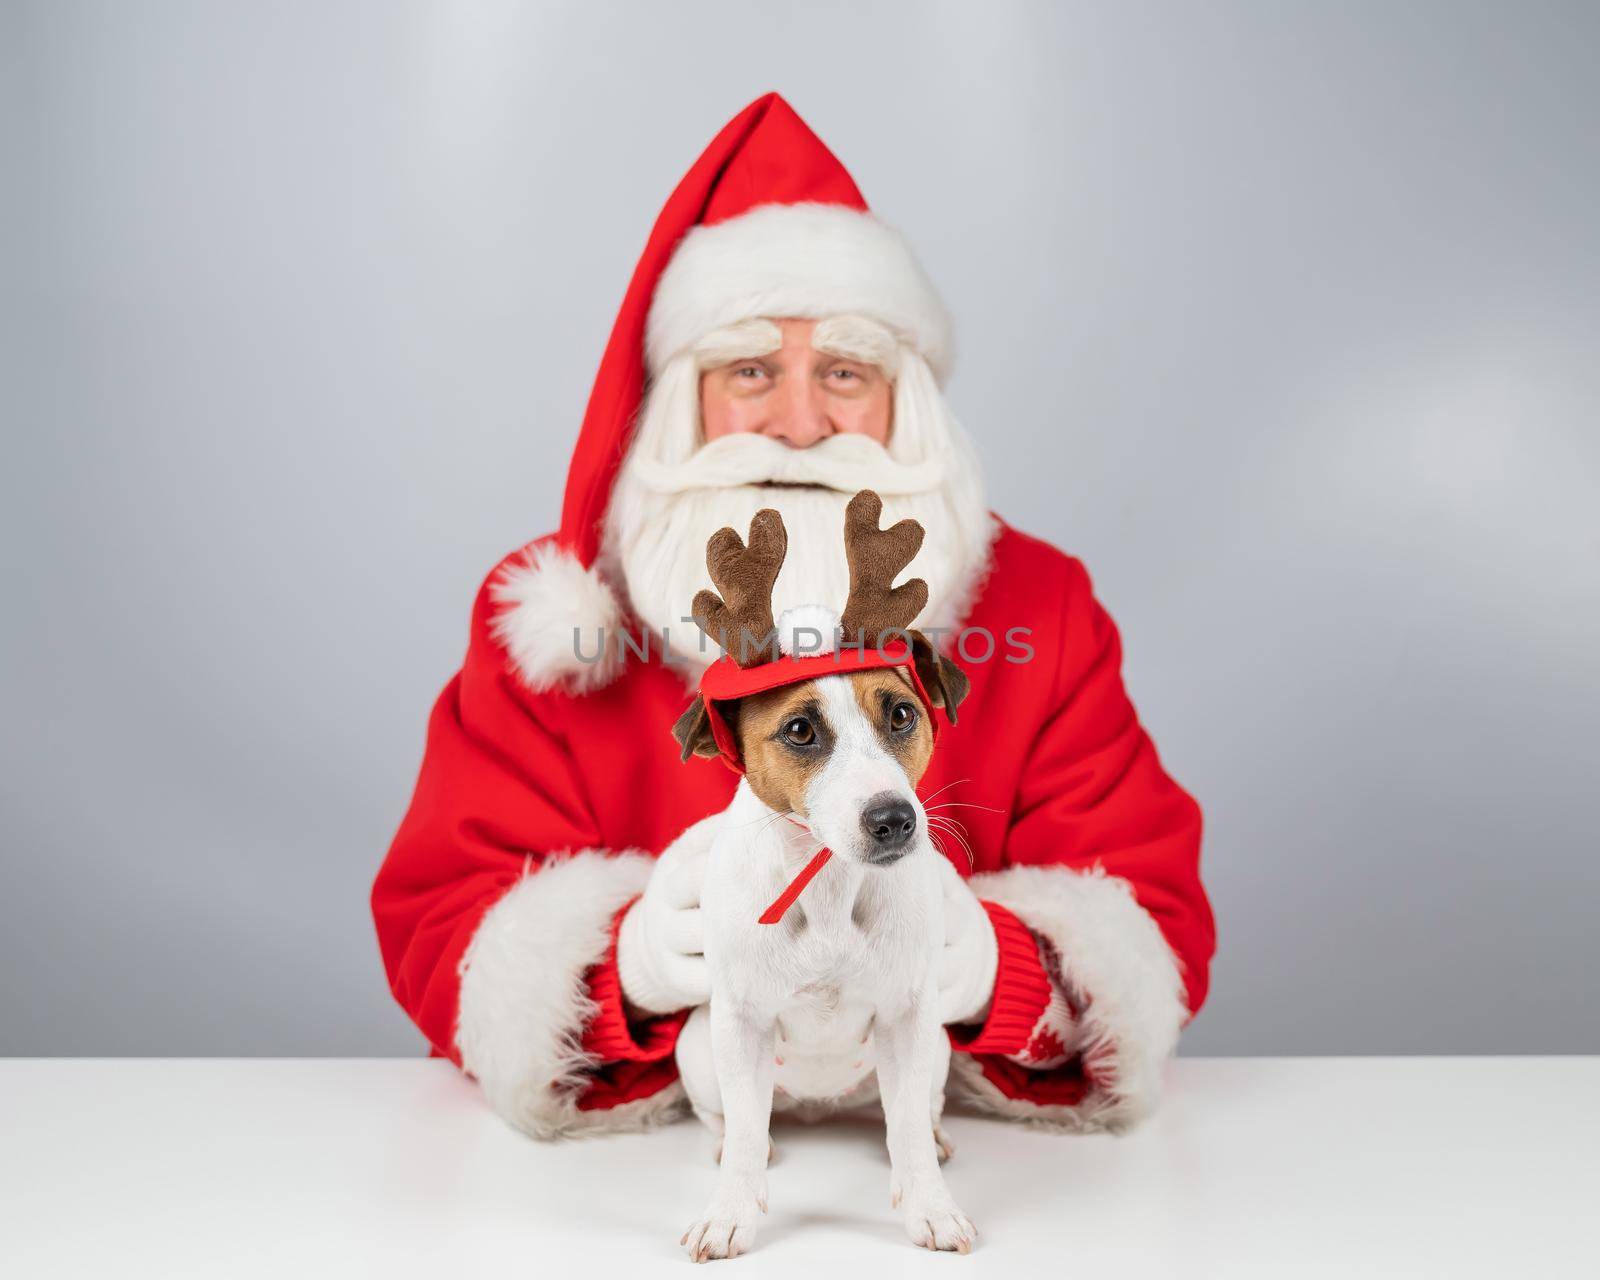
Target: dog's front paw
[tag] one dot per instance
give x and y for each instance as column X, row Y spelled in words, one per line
column 725, row 1230
column 934, row 1222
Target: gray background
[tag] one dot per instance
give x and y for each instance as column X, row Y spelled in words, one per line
column 1283, row 317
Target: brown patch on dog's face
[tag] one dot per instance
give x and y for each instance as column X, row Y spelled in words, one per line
column 784, row 741
column 889, row 701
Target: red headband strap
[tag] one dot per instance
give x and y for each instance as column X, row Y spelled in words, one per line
column 725, row 680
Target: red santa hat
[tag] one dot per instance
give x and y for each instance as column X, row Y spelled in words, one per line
column 767, row 222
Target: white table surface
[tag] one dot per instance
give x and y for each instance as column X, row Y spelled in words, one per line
column 1348, row 1167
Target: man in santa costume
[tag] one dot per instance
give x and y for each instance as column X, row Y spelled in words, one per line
column 537, row 912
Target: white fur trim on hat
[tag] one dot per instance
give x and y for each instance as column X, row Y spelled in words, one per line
column 524, row 1003
column 559, row 621
column 1113, row 952
column 796, row 260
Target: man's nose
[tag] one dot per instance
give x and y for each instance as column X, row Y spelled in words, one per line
column 799, row 419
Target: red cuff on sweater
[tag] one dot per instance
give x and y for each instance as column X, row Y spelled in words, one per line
column 610, row 1035
column 1021, row 991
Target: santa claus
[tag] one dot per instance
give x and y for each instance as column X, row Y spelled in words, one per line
column 780, row 346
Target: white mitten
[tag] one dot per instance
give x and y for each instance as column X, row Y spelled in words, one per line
column 971, row 956
column 661, row 944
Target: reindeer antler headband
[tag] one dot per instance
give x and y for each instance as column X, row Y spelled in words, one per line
column 759, row 653
column 740, row 619
column 876, row 557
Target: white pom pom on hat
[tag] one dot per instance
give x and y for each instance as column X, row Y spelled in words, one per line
column 807, row 630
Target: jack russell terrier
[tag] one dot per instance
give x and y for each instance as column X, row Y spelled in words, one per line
column 830, row 720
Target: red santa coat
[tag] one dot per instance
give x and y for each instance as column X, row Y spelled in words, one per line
column 550, row 784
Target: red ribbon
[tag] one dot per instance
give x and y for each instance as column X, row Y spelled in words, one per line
column 785, row 900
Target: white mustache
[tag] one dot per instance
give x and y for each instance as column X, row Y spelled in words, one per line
column 843, row 463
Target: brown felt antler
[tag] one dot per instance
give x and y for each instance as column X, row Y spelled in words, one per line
column 740, row 619
column 875, row 556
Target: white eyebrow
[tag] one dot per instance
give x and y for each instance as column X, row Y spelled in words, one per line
column 739, row 341
column 860, row 339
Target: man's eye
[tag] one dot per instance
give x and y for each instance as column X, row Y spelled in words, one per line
column 902, row 716
column 749, row 371
column 844, row 374
column 799, row 732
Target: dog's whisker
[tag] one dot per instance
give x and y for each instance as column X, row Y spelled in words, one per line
column 952, row 828
column 945, row 853
column 760, row 817
column 767, row 820
column 963, row 804
column 956, row 831
column 965, row 848
column 961, row 838
column 945, row 788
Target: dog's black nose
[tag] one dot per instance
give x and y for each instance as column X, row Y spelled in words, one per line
column 889, row 822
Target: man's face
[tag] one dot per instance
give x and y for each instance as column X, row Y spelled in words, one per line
column 797, row 394
column 798, row 415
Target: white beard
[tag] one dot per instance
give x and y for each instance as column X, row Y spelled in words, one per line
column 671, row 496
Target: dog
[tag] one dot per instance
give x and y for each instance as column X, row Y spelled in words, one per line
column 822, row 901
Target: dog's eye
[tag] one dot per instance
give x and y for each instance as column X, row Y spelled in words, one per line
column 799, row 732
column 902, row 716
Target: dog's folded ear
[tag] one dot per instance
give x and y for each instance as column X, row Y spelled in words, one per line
column 693, row 731
column 946, row 683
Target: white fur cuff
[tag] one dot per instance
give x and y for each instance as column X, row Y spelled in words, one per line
column 1114, row 953
column 524, row 1005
